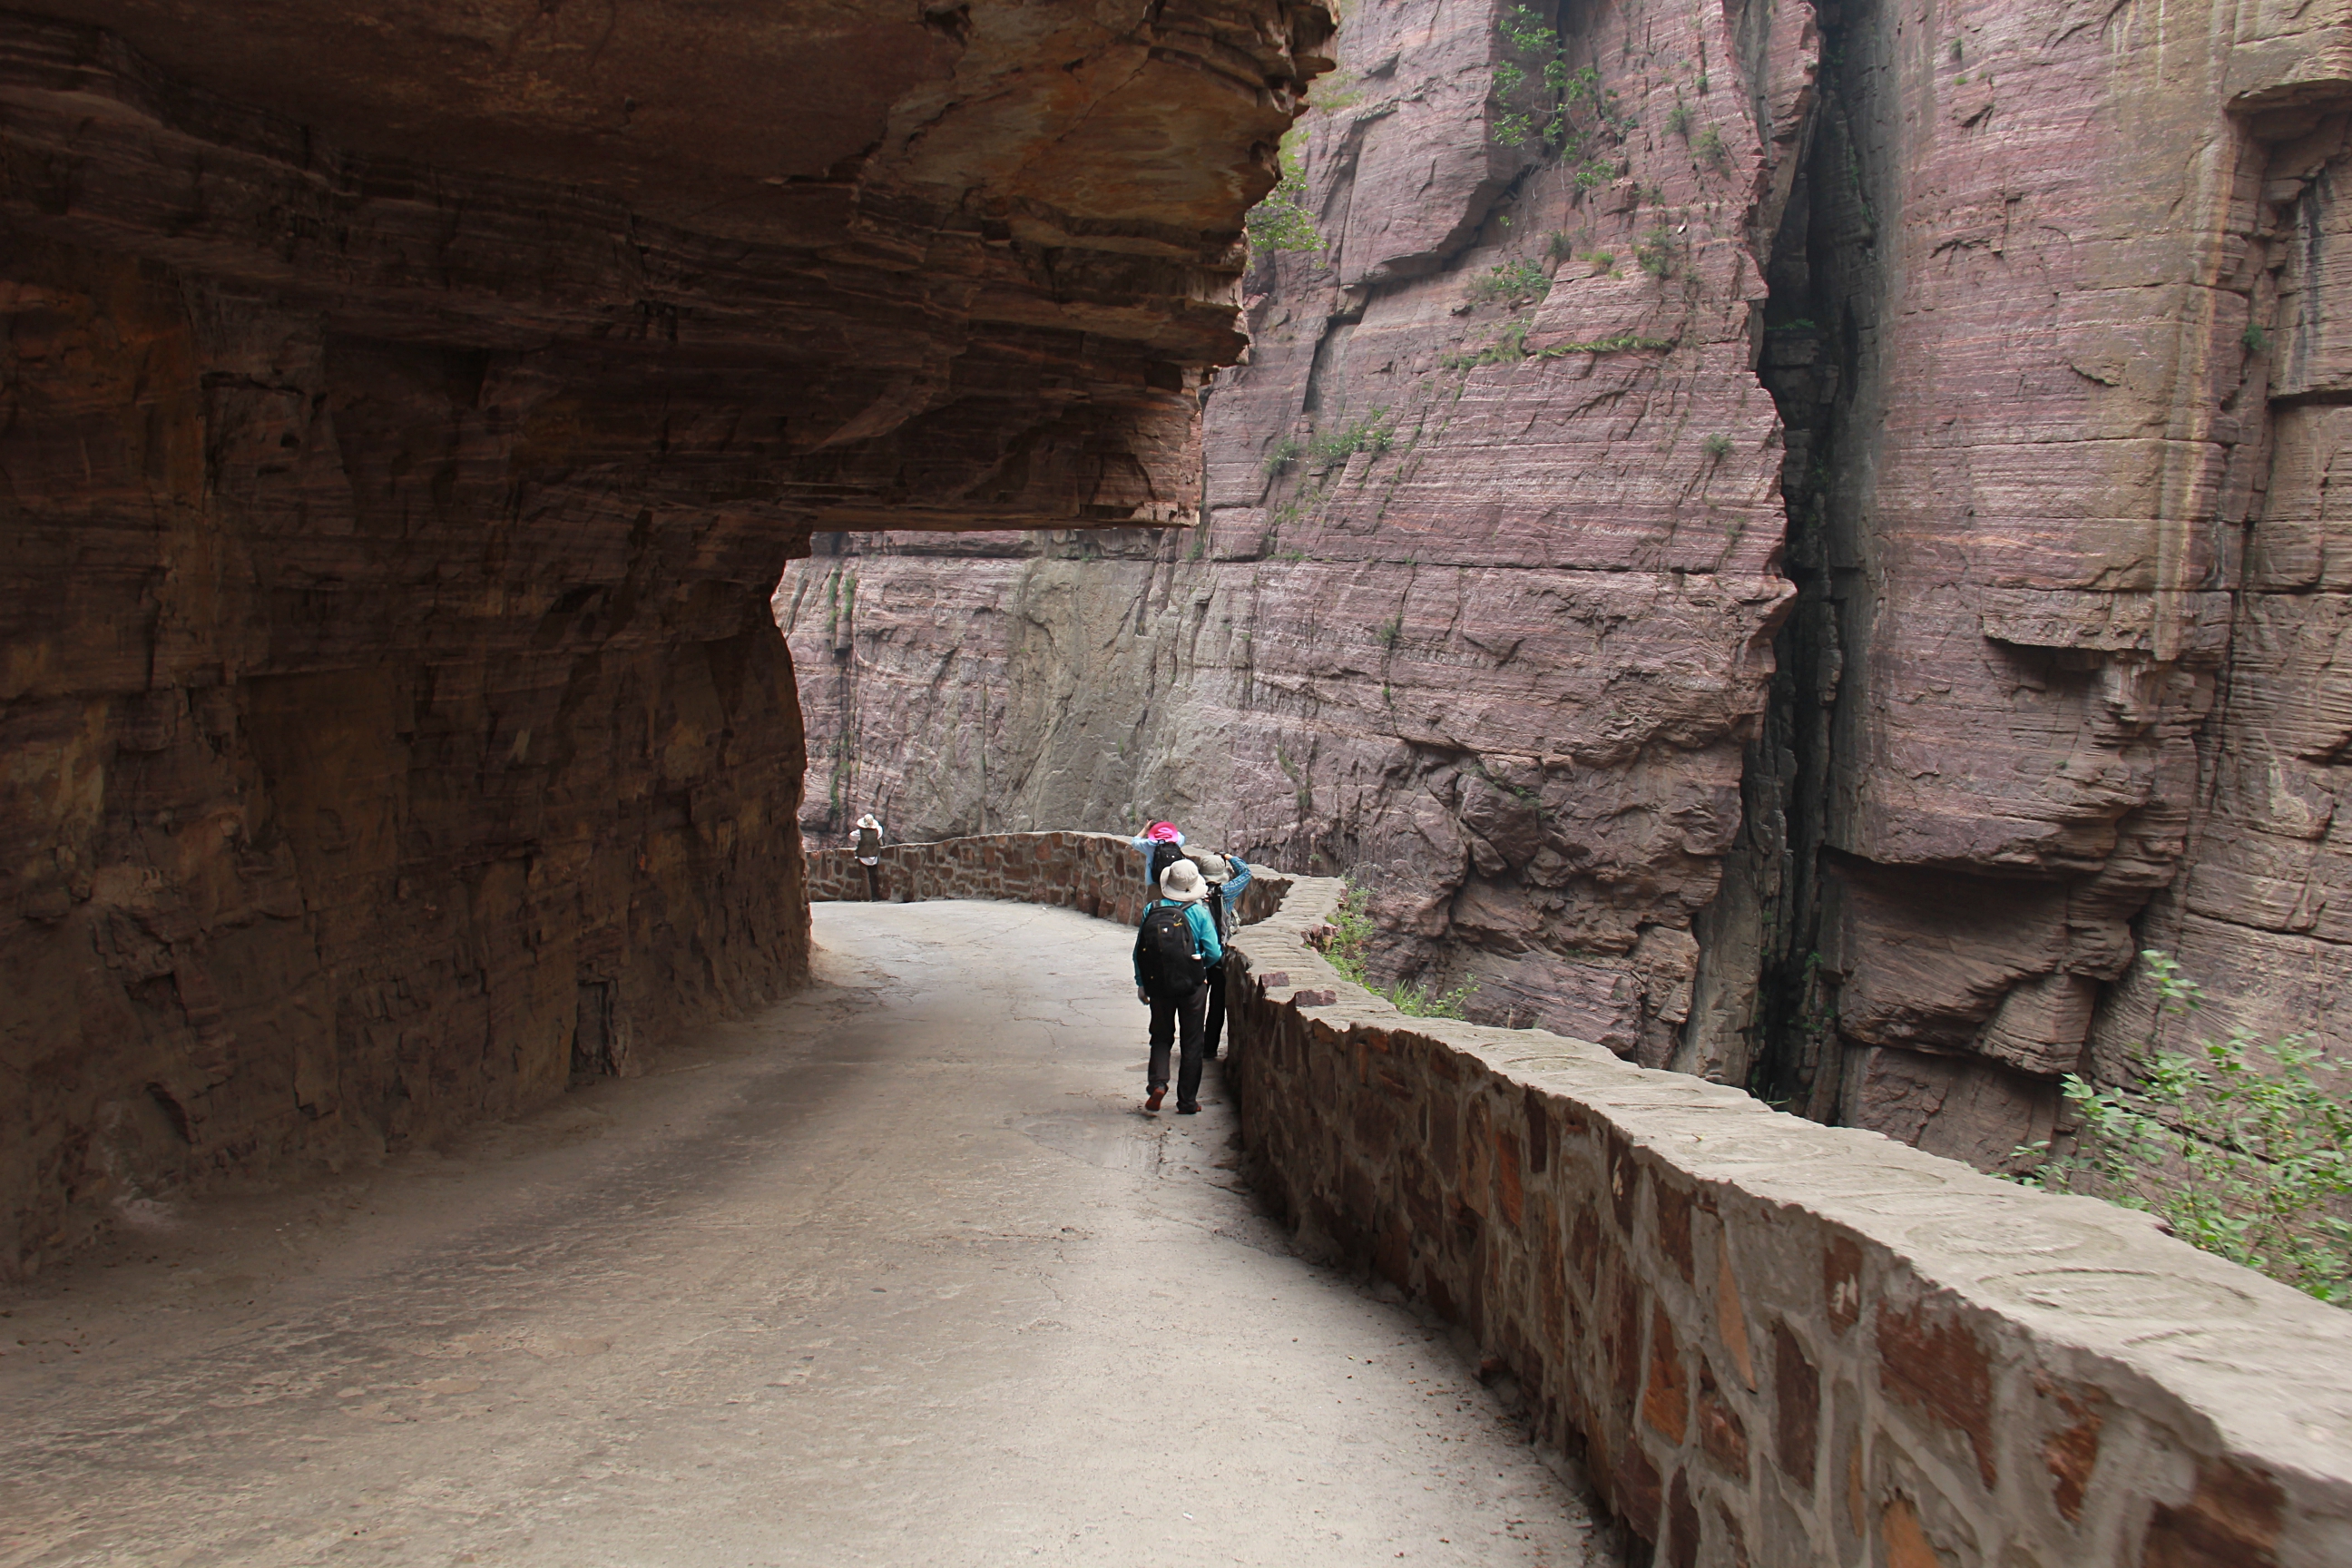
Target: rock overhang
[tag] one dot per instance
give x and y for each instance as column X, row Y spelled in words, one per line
column 951, row 267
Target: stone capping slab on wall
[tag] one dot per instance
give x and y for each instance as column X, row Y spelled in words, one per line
column 1770, row 1342
column 1098, row 874
column 1774, row 1341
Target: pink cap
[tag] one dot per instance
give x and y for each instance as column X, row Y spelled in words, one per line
column 1161, row 833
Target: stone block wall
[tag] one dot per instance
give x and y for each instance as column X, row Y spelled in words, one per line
column 1776, row 1343
column 1097, row 873
column 1770, row 1342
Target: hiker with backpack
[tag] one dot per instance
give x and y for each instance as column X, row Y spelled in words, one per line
column 867, row 844
column 1162, row 845
column 1226, row 876
column 1174, row 947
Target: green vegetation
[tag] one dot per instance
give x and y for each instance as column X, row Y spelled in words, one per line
column 1711, row 148
column 1512, row 283
column 1678, row 120
column 1512, row 347
column 2234, row 1143
column 1655, row 254
column 1559, row 246
column 1282, row 453
column 1281, row 222
column 1545, row 100
column 1365, row 435
column 1623, row 342
column 1716, row 447
column 2255, row 339
column 1352, row 934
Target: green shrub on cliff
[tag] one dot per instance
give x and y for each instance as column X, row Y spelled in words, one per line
column 1511, row 283
column 1541, row 98
column 1346, row 946
column 1282, row 222
column 2234, row 1143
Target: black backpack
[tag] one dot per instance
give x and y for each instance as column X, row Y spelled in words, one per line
column 1164, row 854
column 1165, row 953
column 869, row 844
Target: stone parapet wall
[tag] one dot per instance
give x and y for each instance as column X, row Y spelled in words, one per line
column 1097, row 874
column 1771, row 1342
column 1777, row 1342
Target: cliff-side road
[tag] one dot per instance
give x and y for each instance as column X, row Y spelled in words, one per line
column 897, row 1274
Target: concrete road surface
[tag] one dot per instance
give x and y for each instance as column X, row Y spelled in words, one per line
column 897, row 1273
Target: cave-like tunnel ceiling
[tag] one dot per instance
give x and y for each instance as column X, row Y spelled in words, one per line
column 942, row 266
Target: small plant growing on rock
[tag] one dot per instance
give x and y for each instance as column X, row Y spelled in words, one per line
column 1347, row 942
column 1511, row 283
column 1281, row 221
column 1678, row 120
column 1281, row 455
column 2234, row 1143
column 1716, row 447
column 2255, row 339
column 1711, row 148
column 1655, row 254
column 1543, row 99
column 1365, row 435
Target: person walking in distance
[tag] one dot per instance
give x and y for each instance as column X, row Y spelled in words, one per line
column 867, row 842
column 1174, row 946
column 1226, row 876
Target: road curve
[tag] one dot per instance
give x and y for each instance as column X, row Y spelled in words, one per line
column 897, row 1273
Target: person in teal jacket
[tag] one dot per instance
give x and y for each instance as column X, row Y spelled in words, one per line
column 1174, row 1012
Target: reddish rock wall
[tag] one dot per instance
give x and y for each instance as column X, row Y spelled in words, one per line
column 1500, row 662
column 392, row 722
column 2003, row 337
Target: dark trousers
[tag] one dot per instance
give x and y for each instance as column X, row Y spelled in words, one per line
column 873, row 883
column 1213, row 1029
column 1169, row 1015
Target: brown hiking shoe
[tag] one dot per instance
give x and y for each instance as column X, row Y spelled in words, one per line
column 1151, row 1101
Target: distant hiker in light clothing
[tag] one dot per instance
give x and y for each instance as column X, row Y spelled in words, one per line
column 1226, row 876
column 1162, row 845
column 867, row 842
column 1174, row 947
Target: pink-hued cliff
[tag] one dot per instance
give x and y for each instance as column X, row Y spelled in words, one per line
column 1800, row 587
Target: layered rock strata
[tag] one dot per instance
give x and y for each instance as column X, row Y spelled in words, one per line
column 2012, row 328
column 1481, row 603
column 406, row 419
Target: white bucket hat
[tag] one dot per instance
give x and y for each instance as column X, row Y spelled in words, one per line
column 1182, row 881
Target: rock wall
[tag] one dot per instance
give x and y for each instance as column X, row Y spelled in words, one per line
column 2001, row 339
column 1481, row 603
column 1777, row 1343
column 2031, row 308
column 392, row 721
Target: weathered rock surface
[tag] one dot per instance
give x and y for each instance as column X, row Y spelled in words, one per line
column 2013, row 328
column 408, row 414
column 1491, row 635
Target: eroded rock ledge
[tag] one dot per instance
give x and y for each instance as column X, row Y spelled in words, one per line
column 405, row 420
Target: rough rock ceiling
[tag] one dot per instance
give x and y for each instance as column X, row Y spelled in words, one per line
column 953, row 265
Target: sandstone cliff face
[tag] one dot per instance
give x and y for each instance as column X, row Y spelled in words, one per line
column 392, row 722
column 2002, row 340
column 1482, row 605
